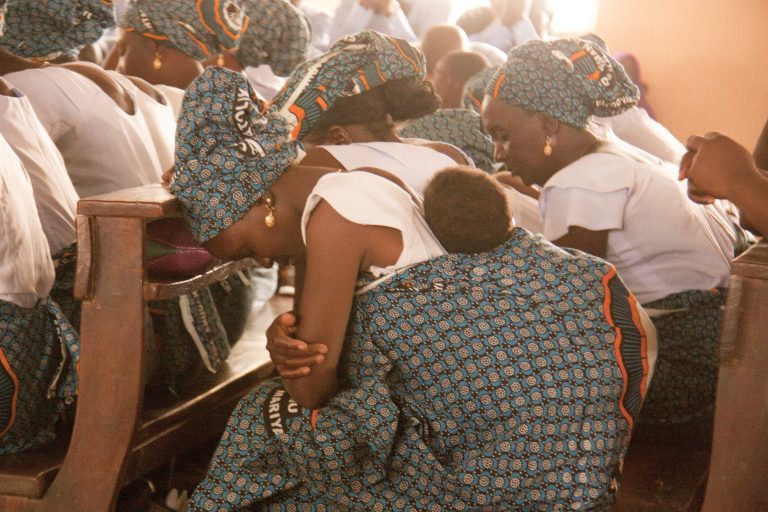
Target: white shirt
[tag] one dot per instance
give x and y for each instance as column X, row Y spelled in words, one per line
column 174, row 95
column 351, row 17
column 320, row 20
column 660, row 242
column 105, row 148
column 365, row 198
column 636, row 127
column 505, row 38
column 413, row 164
column 26, row 268
column 264, row 80
column 525, row 210
column 160, row 119
column 55, row 197
column 427, row 13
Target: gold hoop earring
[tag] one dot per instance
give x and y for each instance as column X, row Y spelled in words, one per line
column 157, row 63
column 547, row 145
column 269, row 204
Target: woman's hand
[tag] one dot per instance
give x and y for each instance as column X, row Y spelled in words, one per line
column 293, row 358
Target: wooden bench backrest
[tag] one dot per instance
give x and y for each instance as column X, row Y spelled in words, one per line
column 113, row 439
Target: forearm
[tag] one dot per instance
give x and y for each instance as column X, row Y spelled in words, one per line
column 315, row 390
column 751, row 200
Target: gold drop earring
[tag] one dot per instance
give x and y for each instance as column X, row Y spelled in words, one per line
column 269, row 204
column 157, row 63
column 547, row 145
column 220, row 60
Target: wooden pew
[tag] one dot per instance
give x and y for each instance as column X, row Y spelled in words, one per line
column 673, row 470
column 114, row 439
column 738, row 476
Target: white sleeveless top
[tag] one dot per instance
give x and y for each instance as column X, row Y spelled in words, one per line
column 160, row 119
column 104, row 148
column 26, row 268
column 413, row 164
column 55, row 196
column 365, row 198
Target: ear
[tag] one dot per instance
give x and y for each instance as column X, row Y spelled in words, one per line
column 548, row 125
column 338, row 135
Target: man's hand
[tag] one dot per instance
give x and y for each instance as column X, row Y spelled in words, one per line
column 293, row 358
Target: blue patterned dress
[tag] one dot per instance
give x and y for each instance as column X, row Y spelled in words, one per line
column 39, row 353
column 508, row 380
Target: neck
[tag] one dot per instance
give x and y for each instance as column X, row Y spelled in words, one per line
column 10, row 63
column 572, row 144
column 290, row 194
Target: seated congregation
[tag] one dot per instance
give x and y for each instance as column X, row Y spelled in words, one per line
column 503, row 265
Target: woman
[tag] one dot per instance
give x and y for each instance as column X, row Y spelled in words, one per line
column 165, row 41
column 613, row 201
column 343, row 107
column 275, row 42
column 39, row 349
column 449, row 390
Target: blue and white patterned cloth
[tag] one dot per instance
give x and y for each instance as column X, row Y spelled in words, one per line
column 229, row 151
column 52, row 29
column 458, row 126
column 198, row 28
column 353, row 65
column 39, row 352
column 508, row 380
column 474, row 89
column 566, row 79
column 278, row 35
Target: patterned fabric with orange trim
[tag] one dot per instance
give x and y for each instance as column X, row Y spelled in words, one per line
column 198, row 28
column 39, row 354
column 567, row 79
column 504, row 380
column 353, row 65
column 55, row 28
column 474, row 90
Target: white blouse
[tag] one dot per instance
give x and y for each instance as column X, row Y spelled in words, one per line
column 26, row 268
column 55, row 197
column 660, row 242
column 368, row 199
column 105, row 148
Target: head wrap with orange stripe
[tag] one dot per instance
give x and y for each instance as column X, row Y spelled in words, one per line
column 566, row 79
column 55, row 28
column 353, row 65
column 198, row 28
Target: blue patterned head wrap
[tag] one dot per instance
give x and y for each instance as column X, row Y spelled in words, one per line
column 278, row 35
column 566, row 79
column 229, row 150
column 198, row 28
column 474, row 89
column 353, row 65
column 55, row 28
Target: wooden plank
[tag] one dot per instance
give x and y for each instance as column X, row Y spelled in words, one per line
column 111, row 374
column 159, row 290
column 147, row 202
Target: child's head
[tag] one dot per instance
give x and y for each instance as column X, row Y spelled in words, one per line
column 467, row 210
